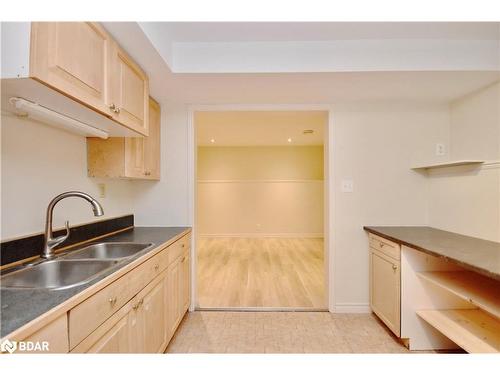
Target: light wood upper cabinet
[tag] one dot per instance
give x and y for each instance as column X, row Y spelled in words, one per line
column 137, row 158
column 73, row 57
column 82, row 61
column 129, row 91
column 152, row 152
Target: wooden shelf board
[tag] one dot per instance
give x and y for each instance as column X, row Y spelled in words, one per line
column 473, row 330
column 454, row 163
column 479, row 290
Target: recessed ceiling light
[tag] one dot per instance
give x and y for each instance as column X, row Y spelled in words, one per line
column 289, row 140
column 212, row 140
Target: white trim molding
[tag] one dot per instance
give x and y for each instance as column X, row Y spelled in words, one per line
column 352, row 308
column 329, row 212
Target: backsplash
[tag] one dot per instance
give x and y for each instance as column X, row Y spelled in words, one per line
column 30, row 246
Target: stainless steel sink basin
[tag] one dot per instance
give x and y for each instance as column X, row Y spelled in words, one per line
column 108, row 250
column 56, row 274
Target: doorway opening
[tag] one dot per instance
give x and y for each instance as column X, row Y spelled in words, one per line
column 260, row 210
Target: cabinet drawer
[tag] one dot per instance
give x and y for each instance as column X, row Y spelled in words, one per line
column 387, row 247
column 178, row 248
column 92, row 312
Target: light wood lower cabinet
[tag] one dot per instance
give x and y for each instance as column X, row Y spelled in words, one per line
column 385, row 285
column 52, row 338
column 147, row 322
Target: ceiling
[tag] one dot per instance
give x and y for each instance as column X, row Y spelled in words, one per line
column 260, row 128
column 352, row 89
column 209, row 32
column 338, row 89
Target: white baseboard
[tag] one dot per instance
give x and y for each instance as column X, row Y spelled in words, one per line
column 352, row 308
column 263, row 235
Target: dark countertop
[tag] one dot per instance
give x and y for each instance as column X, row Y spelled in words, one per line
column 20, row 306
column 475, row 254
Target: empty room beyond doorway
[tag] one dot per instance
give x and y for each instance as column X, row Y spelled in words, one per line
column 259, row 209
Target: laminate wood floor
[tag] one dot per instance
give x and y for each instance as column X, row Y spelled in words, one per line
column 283, row 332
column 261, row 272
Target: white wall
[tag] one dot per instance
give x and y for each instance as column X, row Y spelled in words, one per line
column 376, row 150
column 39, row 162
column 165, row 202
column 467, row 199
column 260, row 191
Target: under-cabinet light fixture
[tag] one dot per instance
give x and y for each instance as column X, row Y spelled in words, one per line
column 53, row 118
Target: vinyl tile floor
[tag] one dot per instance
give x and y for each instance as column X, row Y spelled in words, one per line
column 283, row 332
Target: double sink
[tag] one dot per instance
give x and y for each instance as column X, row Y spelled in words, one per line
column 74, row 268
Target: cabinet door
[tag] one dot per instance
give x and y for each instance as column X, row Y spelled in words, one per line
column 117, row 340
column 152, row 143
column 129, row 92
column 173, row 282
column 134, row 157
column 153, row 312
column 73, row 57
column 385, row 289
column 186, row 283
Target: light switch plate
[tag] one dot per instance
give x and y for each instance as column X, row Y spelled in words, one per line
column 347, row 186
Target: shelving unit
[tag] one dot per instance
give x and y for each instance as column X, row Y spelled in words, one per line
column 481, row 291
column 473, row 330
column 476, row 330
column 454, row 163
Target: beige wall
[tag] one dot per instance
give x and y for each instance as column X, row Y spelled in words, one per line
column 39, row 162
column 376, row 149
column 467, row 199
column 260, row 191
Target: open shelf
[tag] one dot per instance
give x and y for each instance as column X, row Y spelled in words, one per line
column 454, row 163
column 473, row 330
column 481, row 291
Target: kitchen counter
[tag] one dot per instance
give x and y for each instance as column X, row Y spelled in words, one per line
column 20, row 306
column 475, row 254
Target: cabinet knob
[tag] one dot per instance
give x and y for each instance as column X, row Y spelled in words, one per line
column 112, row 301
column 147, row 173
column 157, row 267
column 114, row 108
column 394, row 267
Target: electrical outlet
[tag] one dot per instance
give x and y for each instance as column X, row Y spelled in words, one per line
column 347, row 186
column 102, row 190
column 440, row 149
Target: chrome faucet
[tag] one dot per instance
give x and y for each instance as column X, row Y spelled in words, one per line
column 49, row 242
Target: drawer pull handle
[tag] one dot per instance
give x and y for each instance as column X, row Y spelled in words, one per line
column 183, row 245
column 381, row 244
column 183, row 259
column 112, row 301
column 157, row 267
column 138, row 304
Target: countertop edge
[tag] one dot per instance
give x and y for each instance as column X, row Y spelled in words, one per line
column 48, row 316
column 432, row 252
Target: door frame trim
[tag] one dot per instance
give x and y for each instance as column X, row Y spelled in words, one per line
column 329, row 189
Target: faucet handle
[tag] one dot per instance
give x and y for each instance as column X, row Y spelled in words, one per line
column 53, row 242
